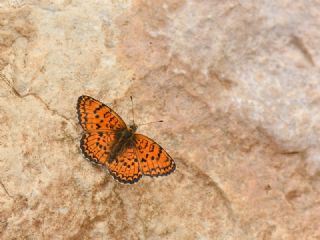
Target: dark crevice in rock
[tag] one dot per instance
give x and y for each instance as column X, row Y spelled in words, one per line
column 298, row 43
column 18, row 94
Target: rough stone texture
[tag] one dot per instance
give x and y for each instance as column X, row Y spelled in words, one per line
column 236, row 82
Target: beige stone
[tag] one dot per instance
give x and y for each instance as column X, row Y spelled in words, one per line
column 237, row 84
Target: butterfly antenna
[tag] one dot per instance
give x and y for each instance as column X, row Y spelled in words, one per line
column 149, row 123
column 132, row 109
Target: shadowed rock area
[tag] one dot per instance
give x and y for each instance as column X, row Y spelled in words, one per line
column 237, row 84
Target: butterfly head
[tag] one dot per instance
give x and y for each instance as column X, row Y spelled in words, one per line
column 133, row 128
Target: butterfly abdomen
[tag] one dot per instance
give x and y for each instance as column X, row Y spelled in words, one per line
column 124, row 140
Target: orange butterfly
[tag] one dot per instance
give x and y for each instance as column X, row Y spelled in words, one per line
column 108, row 141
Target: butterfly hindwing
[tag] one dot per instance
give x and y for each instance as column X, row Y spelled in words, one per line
column 96, row 116
column 153, row 159
column 125, row 167
column 96, row 146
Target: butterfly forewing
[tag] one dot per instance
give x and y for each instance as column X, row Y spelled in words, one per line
column 153, row 159
column 96, row 116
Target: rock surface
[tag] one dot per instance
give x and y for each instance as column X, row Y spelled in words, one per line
column 237, row 84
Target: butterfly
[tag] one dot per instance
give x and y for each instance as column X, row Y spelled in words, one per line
column 109, row 142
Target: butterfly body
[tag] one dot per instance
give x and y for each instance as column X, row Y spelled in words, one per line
column 109, row 142
column 124, row 139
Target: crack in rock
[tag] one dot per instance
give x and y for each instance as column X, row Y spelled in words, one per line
column 34, row 95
